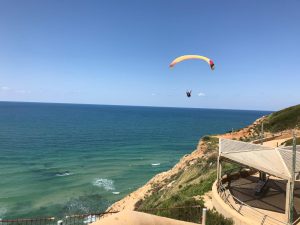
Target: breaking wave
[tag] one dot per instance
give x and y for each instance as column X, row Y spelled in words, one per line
column 2, row 212
column 107, row 184
column 63, row 174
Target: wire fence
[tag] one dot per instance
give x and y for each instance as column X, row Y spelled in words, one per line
column 83, row 219
column 184, row 213
column 36, row 221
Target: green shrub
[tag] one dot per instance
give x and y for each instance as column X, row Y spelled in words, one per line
column 212, row 158
column 200, row 188
column 212, row 145
column 215, row 218
column 206, row 138
column 172, row 209
column 290, row 142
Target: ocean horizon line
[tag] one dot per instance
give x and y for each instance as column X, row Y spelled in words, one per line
column 149, row 106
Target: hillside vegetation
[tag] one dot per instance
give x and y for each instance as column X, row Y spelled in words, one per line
column 187, row 187
column 288, row 118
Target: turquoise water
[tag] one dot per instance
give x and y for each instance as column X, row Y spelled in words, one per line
column 58, row 159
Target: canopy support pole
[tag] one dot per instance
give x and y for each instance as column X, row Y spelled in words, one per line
column 287, row 201
column 219, row 166
column 291, row 184
column 219, row 171
column 262, row 175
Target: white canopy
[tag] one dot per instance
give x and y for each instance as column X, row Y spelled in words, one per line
column 274, row 161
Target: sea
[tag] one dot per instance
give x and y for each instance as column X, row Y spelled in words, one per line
column 65, row 159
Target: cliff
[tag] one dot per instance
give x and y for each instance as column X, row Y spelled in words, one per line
column 189, row 181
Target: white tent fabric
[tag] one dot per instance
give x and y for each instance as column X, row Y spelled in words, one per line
column 274, row 161
column 286, row 155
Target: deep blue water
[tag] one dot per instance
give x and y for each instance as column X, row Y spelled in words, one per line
column 58, row 159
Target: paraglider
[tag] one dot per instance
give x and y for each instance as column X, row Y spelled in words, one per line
column 189, row 93
column 188, row 57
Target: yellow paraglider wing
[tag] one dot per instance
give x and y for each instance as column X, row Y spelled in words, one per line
column 187, row 57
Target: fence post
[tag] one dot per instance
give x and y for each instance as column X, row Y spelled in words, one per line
column 262, row 134
column 59, row 222
column 204, row 210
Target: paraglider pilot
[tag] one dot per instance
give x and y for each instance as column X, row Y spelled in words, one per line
column 189, row 93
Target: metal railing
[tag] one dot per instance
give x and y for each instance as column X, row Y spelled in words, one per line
column 36, row 221
column 82, row 219
column 245, row 209
column 184, row 213
column 195, row 214
column 296, row 221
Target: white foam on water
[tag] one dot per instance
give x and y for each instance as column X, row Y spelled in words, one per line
column 116, row 192
column 90, row 219
column 63, row 174
column 107, row 184
column 2, row 211
column 155, row 164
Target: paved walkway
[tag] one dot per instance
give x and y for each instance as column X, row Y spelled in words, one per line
column 137, row 218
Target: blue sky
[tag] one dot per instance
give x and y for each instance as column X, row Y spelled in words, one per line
column 118, row 52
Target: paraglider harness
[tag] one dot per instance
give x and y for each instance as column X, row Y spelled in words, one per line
column 189, row 93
